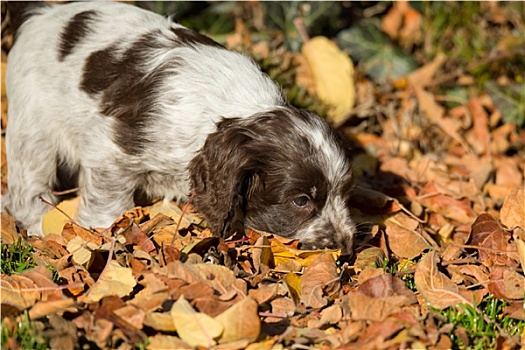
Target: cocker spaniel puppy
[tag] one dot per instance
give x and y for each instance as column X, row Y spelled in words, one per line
column 128, row 101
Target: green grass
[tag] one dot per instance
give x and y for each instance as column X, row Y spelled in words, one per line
column 482, row 329
column 25, row 335
column 16, row 258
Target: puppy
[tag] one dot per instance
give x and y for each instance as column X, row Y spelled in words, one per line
column 129, row 102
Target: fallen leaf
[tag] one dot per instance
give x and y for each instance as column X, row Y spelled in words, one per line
column 262, row 253
column 331, row 315
column 320, row 281
column 45, row 308
column 293, row 283
column 82, row 251
column 370, row 257
column 160, row 321
column 332, row 71
column 54, row 220
column 170, row 210
column 167, row 342
column 492, row 240
column 194, row 328
column 514, row 284
column 512, row 212
column 520, row 245
column 114, row 280
column 18, row 291
column 220, row 278
column 8, row 228
column 479, row 138
column 240, row 321
column 402, row 237
column 436, row 288
column 283, row 253
column 24, row 290
column 423, row 76
column 402, row 22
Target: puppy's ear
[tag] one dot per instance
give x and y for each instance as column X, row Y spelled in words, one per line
column 221, row 174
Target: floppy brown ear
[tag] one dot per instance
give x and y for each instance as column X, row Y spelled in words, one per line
column 220, row 175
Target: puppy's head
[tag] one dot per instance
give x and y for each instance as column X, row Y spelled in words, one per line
column 281, row 171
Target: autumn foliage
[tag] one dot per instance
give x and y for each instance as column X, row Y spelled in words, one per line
column 440, row 210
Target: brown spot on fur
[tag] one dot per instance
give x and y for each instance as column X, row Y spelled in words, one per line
column 190, row 37
column 76, row 29
column 128, row 90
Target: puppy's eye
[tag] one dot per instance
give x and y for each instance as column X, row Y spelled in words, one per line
column 301, row 201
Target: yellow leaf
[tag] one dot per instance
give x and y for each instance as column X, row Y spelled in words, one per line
column 332, row 72
column 81, row 250
column 54, row 220
column 194, row 328
column 240, row 321
column 293, row 282
column 283, row 253
column 114, row 280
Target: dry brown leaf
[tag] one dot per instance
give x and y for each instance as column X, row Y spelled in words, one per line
column 402, row 22
column 423, row 76
column 508, row 173
column 152, row 284
column 367, row 308
column 479, row 138
column 320, row 281
column 505, row 284
column 436, row 288
column 283, row 306
column 264, row 292
column 369, row 257
column 45, row 308
column 114, row 280
column 520, row 245
column 332, row 71
column 24, row 290
column 331, row 315
column 403, row 239
column 493, row 242
column 513, row 210
column 8, row 228
column 455, row 209
column 194, row 328
column 172, row 211
column 18, row 291
column 241, row 321
column 514, row 284
column 167, row 342
column 218, row 277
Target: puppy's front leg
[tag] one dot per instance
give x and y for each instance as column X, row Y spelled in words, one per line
column 105, row 194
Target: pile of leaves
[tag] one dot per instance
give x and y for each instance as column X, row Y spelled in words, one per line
column 439, row 207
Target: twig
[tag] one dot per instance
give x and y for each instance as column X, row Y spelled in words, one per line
column 45, row 201
column 66, row 215
column 184, row 210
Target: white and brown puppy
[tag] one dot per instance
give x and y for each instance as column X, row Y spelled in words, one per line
column 130, row 101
